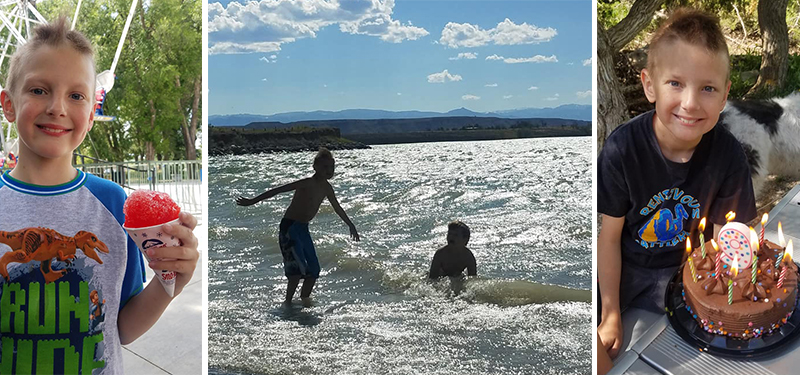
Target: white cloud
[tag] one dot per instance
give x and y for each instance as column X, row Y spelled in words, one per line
column 273, row 57
column 552, row 98
column 587, row 62
column 443, row 77
column 532, row 88
column 494, row 57
column 508, row 96
column 584, row 94
column 264, row 79
column 324, row 85
column 264, row 59
column 399, row 94
column 534, row 59
column 465, row 55
column 491, row 85
column 470, row 97
column 455, row 35
column 262, row 26
column 570, row 64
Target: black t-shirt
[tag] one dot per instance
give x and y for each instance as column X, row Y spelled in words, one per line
column 663, row 201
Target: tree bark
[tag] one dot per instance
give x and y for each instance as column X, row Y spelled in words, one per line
column 611, row 105
column 189, row 129
column 774, row 45
column 198, row 88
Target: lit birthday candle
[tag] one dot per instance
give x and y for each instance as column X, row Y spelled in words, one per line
column 763, row 224
column 754, row 246
column 718, row 265
column 702, row 239
column 782, row 242
column 787, row 257
column 730, row 281
column 730, row 216
column 691, row 262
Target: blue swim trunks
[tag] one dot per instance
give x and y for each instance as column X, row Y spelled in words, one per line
column 297, row 248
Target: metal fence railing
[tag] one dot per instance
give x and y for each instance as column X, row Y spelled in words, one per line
column 180, row 179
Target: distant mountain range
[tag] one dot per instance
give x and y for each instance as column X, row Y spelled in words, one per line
column 567, row 111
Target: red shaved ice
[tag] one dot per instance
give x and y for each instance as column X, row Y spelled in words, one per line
column 147, row 208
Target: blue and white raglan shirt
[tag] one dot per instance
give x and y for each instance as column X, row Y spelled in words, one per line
column 67, row 267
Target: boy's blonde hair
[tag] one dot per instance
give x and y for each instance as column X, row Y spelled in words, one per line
column 323, row 154
column 692, row 26
column 53, row 34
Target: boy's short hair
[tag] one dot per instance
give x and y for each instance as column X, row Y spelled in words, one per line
column 692, row 26
column 323, row 154
column 459, row 226
column 53, row 34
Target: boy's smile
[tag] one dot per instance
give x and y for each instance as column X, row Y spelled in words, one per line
column 53, row 104
column 689, row 88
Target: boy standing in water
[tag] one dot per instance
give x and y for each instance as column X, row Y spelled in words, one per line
column 452, row 259
column 664, row 170
column 299, row 256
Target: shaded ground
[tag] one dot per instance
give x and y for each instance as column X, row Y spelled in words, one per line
column 772, row 193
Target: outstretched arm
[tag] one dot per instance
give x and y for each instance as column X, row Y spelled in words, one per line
column 340, row 211
column 242, row 201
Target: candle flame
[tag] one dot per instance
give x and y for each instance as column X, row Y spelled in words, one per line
column 730, row 216
column 787, row 256
column 764, row 219
column 734, row 265
column 781, row 239
column 753, row 240
column 703, row 224
column 714, row 244
column 688, row 245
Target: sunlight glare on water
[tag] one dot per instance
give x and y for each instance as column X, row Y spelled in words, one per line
column 527, row 203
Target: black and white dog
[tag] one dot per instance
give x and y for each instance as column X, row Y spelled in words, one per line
column 769, row 131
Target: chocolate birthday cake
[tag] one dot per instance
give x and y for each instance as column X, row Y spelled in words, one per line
column 745, row 309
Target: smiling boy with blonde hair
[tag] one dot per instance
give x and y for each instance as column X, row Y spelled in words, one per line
column 663, row 171
column 61, row 232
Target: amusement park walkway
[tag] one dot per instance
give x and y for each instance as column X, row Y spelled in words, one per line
column 175, row 343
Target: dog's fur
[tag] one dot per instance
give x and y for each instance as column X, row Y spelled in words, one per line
column 769, row 131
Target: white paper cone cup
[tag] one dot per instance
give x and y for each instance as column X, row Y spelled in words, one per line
column 153, row 237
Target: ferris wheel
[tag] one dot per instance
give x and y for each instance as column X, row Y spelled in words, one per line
column 18, row 18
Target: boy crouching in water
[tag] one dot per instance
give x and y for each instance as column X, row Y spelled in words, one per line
column 299, row 255
column 452, row 259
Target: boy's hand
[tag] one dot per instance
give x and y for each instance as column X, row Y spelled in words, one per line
column 610, row 332
column 242, row 201
column 354, row 233
column 183, row 258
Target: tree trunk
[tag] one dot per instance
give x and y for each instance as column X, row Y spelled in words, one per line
column 191, row 153
column 149, row 151
column 774, row 44
column 189, row 129
column 612, row 110
column 611, row 106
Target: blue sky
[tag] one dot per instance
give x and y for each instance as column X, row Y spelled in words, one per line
column 274, row 56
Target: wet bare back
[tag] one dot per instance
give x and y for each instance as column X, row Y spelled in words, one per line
column 452, row 262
